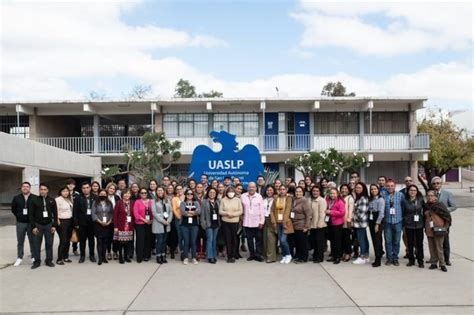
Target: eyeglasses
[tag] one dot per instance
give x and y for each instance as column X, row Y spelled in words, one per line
column 143, row 193
column 413, row 190
column 189, row 194
column 354, row 176
column 408, row 180
column 437, row 183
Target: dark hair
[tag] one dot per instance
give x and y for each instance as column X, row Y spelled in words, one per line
column 186, row 193
column 140, row 191
column 96, row 182
column 63, row 188
column 418, row 193
column 354, row 172
column 313, row 188
column 227, row 177
column 347, row 186
column 26, row 183
column 205, row 175
column 151, row 182
column 266, row 188
column 382, row 176
column 70, row 181
column 291, row 190
column 209, row 190
column 107, row 201
column 299, row 187
column 239, row 185
column 44, row 185
column 84, row 184
column 166, row 176
column 391, row 180
column 370, row 192
column 364, row 193
column 260, row 176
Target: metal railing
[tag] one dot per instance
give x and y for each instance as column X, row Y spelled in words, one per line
column 266, row 143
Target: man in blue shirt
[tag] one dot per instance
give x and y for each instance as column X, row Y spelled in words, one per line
column 393, row 222
column 382, row 182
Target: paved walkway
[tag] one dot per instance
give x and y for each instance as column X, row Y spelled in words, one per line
column 244, row 287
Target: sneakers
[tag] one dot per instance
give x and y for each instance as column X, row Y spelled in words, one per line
column 287, row 259
column 32, row 260
column 359, row 261
column 195, row 262
column 17, row 262
column 185, row 261
column 283, row 259
column 367, row 260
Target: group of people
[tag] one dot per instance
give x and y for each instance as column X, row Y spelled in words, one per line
column 205, row 219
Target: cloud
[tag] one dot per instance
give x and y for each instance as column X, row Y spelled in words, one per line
column 411, row 27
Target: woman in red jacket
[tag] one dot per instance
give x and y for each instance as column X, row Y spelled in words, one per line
column 335, row 219
column 123, row 225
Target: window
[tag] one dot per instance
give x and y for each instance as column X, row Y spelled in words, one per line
column 387, row 122
column 240, row 124
column 186, row 125
column 9, row 124
column 336, row 123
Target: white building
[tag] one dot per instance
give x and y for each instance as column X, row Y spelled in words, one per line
column 382, row 128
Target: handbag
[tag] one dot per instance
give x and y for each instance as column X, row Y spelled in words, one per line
column 74, row 237
column 440, row 231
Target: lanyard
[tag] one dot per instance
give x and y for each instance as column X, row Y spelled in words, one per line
column 391, row 201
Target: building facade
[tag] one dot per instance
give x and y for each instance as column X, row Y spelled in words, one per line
column 382, row 129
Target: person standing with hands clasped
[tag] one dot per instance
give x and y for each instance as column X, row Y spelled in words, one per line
column 43, row 218
column 162, row 218
column 123, row 225
column 376, row 215
column 64, row 206
column 230, row 210
column 335, row 219
column 253, row 221
column 102, row 215
column 301, row 215
column 142, row 213
column 413, row 221
column 210, row 222
column 392, row 222
column 318, row 224
column 437, row 223
column 82, row 214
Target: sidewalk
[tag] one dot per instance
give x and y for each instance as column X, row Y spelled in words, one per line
column 243, row 287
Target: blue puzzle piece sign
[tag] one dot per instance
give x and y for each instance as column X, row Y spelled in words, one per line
column 230, row 161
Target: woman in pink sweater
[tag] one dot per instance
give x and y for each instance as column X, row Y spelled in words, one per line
column 335, row 219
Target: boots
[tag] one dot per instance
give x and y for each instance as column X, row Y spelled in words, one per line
column 159, row 260
column 377, row 262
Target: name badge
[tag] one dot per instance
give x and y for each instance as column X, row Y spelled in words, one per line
column 280, row 217
column 45, row 214
column 214, row 217
column 371, row 216
column 104, row 219
column 25, row 211
column 392, row 211
column 416, row 218
column 326, row 218
column 129, row 219
column 431, row 224
column 165, row 215
column 147, row 217
column 89, row 211
column 292, row 215
column 190, row 220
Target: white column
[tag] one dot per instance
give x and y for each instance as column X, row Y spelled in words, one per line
column 96, row 133
column 31, row 175
column 361, row 131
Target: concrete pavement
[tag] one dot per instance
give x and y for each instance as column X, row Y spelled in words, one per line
column 244, row 287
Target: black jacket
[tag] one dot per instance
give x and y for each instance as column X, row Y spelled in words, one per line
column 410, row 209
column 79, row 211
column 18, row 204
column 36, row 213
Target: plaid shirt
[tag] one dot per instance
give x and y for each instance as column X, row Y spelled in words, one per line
column 394, row 201
column 361, row 208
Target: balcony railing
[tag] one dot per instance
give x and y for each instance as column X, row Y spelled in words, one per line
column 266, row 143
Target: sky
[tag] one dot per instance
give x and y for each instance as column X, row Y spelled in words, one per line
column 63, row 50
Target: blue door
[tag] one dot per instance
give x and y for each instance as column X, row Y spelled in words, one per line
column 302, row 138
column 271, row 132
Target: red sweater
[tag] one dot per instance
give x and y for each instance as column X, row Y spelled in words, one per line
column 337, row 212
column 139, row 211
column 120, row 215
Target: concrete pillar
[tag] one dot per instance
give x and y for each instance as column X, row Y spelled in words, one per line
column 361, row 131
column 96, row 133
column 311, row 131
column 282, row 170
column 362, row 175
column 33, row 125
column 412, row 125
column 413, row 168
column 31, row 175
column 158, row 122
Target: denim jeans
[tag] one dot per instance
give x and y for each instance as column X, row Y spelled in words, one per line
column 160, row 244
column 211, row 246
column 23, row 229
column 285, row 248
column 189, row 234
column 179, row 233
column 392, row 233
column 363, row 241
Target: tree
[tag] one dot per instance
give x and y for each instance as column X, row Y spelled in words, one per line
column 330, row 164
column 95, row 95
column 185, row 89
column 449, row 146
column 211, row 94
column 154, row 159
column 335, row 89
column 139, row 92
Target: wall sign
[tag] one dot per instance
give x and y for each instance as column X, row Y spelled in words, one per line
column 230, row 161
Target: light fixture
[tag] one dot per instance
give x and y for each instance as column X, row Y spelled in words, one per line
column 370, row 157
column 263, row 105
column 208, row 106
column 370, row 104
column 316, row 105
